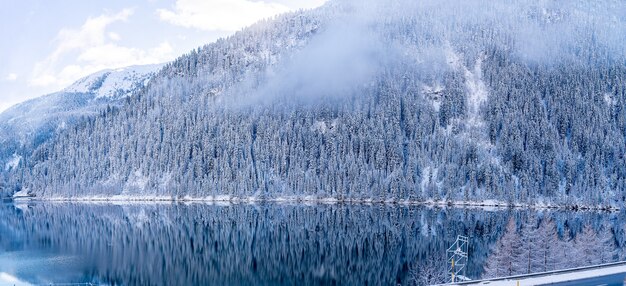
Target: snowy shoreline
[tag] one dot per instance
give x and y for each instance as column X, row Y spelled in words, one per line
column 313, row 200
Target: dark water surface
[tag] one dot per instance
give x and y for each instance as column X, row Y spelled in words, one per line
column 275, row 244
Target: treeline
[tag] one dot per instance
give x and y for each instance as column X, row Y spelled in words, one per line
column 542, row 248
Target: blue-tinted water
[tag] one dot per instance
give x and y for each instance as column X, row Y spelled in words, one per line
column 263, row 244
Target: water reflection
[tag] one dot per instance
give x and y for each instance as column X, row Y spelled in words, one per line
column 262, row 244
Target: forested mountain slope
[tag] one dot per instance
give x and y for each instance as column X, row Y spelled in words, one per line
column 27, row 125
column 381, row 100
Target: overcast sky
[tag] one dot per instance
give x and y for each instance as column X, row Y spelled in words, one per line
column 47, row 45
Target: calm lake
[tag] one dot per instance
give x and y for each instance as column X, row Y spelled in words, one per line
column 289, row 244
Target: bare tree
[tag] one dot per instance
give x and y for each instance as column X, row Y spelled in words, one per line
column 429, row 272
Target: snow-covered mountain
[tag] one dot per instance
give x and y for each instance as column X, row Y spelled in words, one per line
column 115, row 83
column 461, row 100
column 26, row 125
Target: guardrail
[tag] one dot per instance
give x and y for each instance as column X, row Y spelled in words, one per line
column 541, row 274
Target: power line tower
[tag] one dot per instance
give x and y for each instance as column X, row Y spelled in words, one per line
column 457, row 259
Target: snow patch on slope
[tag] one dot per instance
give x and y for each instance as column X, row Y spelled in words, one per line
column 609, row 99
column 13, row 162
column 323, row 127
column 477, row 93
column 476, row 89
column 429, row 177
column 115, row 83
column 433, row 94
column 137, row 181
column 473, row 127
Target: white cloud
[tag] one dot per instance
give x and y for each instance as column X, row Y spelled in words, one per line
column 11, row 77
column 90, row 34
column 90, row 48
column 114, row 55
column 219, row 15
column 303, row 4
column 114, row 36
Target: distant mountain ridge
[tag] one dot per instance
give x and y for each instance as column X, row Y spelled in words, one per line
column 115, row 83
column 26, row 125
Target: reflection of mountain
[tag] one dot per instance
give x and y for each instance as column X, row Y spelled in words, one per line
column 260, row 244
column 241, row 244
column 534, row 249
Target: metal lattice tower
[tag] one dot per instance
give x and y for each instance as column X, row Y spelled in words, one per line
column 457, row 259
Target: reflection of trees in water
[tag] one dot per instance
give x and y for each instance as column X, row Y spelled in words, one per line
column 249, row 244
column 539, row 247
column 290, row 244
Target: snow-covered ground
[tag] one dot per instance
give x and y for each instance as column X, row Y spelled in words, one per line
column 8, row 279
column 22, row 194
column 483, row 204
